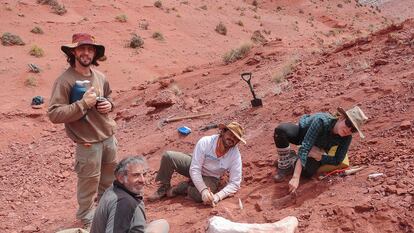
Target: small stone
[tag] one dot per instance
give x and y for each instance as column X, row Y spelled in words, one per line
column 380, row 62
column 30, row 229
column 405, row 125
column 258, row 206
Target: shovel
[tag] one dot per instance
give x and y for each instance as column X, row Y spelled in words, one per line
column 247, row 76
column 173, row 119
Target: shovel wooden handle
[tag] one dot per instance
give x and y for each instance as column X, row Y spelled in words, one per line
column 186, row 117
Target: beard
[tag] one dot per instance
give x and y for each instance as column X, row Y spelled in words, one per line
column 133, row 188
column 84, row 62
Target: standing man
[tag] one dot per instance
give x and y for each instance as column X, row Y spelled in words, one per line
column 121, row 208
column 212, row 157
column 87, row 122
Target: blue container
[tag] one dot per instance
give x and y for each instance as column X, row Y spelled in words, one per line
column 184, row 130
column 78, row 90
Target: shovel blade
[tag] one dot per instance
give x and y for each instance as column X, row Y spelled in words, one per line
column 256, row 103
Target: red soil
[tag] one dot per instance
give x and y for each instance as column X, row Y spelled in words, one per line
column 334, row 53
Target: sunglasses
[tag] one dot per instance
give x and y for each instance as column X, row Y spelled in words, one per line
column 350, row 125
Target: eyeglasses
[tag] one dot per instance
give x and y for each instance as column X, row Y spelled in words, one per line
column 350, row 125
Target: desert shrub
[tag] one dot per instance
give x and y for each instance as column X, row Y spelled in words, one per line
column 240, row 23
column 204, row 7
column 9, row 39
column 121, row 18
column 59, row 9
column 30, row 82
column 286, row 70
column 255, row 3
column 176, row 89
column 136, row 41
column 237, row 54
column 158, row 4
column 37, row 30
column 257, row 37
column 157, row 36
column 56, row 7
column 36, row 51
column 221, row 29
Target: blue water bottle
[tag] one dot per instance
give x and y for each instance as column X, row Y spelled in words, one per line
column 78, row 90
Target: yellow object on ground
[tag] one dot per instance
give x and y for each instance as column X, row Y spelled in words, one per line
column 327, row 167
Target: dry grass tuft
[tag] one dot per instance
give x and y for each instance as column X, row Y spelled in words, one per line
column 286, row 70
column 221, row 29
column 30, row 82
column 237, row 54
column 136, row 41
column 9, row 39
column 158, row 36
column 36, row 51
column 158, row 4
column 56, row 7
column 36, row 30
column 121, row 18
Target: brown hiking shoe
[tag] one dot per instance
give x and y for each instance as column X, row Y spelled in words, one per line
column 282, row 174
column 160, row 193
column 179, row 189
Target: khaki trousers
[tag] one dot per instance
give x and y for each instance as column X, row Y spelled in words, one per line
column 173, row 161
column 94, row 165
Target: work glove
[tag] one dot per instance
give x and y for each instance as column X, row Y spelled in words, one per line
column 207, row 196
column 90, row 97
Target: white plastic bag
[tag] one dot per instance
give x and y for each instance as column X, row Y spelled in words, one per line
column 221, row 225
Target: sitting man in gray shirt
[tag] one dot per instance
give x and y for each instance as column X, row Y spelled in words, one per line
column 121, row 209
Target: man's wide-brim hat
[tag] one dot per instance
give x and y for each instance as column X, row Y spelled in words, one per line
column 235, row 128
column 79, row 39
column 356, row 116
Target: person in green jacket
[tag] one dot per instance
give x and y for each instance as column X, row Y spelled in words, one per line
column 315, row 134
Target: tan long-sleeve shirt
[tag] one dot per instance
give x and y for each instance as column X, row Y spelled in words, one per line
column 82, row 125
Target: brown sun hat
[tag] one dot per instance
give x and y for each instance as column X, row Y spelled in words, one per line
column 79, row 39
column 356, row 116
column 235, row 128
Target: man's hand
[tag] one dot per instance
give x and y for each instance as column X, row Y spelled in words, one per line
column 104, row 107
column 90, row 97
column 293, row 184
column 207, row 196
column 316, row 153
column 216, row 198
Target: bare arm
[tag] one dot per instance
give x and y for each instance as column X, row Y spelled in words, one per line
column 294, row 181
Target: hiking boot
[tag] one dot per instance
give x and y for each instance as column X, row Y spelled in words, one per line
column 160, row 193
column 179, row 189
column 282, row 174
column 285, row 165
